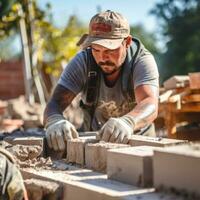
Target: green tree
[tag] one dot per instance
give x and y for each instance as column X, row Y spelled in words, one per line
column 7, row 46
column 180, row 25
column 43, row 44
column 147, row 38
column 59, row 45
column 49, row 46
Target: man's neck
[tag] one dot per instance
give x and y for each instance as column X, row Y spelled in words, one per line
column 110, row 80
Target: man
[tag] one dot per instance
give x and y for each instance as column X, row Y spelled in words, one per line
column 11, row 182
column 118, row 81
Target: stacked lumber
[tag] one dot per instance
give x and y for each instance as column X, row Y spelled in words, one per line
column 181, row 88
column 180, row 105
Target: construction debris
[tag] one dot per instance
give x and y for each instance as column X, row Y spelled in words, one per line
column 18, row 114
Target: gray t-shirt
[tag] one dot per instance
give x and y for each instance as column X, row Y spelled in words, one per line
column 111, row 101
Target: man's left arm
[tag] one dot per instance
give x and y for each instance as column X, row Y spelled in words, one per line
column 119, row 130
column 146, row 109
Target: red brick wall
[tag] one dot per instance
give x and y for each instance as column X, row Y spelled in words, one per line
column 11, row 79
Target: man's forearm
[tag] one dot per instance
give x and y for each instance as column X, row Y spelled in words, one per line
column 144, row 113
column 61, row 98
column 51, row 109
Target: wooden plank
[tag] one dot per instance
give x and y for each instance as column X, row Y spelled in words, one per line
column 194, row 80
column 176, row 82
column 185, row 107
column 165, row 96
column 192, row 98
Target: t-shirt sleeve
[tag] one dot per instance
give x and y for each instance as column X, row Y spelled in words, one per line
column 74, row 75
column 146, row 71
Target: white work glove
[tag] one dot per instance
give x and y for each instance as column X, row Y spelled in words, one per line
column 118, row 130
column 58, row 131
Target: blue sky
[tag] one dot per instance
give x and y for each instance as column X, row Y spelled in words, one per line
column 136, row 11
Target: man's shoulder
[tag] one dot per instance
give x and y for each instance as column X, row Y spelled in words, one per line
column 83, row 56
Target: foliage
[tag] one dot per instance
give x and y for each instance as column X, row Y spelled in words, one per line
column 52, row 46
column 180, row 24
column 7, row 51
column 59, row 46
column 5, row 6
column 47, row 43
column 148, row 39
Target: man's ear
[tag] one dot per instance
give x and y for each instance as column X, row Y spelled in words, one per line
column 128, row 41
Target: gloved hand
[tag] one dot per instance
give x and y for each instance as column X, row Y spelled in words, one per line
column 11, row 182
column 58, row 131
column 118, row 130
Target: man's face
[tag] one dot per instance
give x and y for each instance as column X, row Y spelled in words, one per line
column 109, row 60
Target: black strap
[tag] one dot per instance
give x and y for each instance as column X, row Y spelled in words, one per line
column 93, row 80
column 127, row 77
column 92, row 86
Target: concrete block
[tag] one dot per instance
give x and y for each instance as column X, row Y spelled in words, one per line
column 132, row 165
column 86, row 184
column 24, row 140
column 140, row 140
column 39, row 189
column 96, row 154
column 76, row 149
column 178, row 167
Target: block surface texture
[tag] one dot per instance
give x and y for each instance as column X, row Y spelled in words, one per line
column 140, row 140
column 131, row 165
column 76, row 149
column 178, row 167
column 96, row 154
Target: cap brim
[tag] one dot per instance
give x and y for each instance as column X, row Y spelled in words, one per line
column 87, row 41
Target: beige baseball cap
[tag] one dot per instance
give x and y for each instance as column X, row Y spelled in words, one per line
column 107, row 29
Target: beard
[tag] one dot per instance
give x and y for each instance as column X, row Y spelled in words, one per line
column 109, row 64
column 111, row 72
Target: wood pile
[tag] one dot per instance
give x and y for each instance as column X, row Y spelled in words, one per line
column 180, row 106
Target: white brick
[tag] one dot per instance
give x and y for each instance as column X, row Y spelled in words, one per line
column 85, row 184
column 96, row 154
column 24, row 140
column 140, row 140
column 76, row 149
column 132, row 165
column 178, row 167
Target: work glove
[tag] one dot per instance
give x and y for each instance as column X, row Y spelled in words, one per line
column 11, row 182
column 58, row 131
column 118, row 130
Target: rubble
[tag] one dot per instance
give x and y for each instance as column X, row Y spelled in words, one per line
column 18, row 113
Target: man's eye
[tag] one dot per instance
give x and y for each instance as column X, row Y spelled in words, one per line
column 95, row 50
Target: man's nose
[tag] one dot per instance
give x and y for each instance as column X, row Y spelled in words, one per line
column 104, row 56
